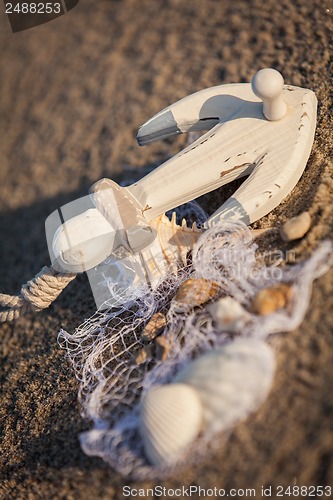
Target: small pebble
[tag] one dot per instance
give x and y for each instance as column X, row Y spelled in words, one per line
column 162, row 348
column 271, row 299
column 154, row 327
column 228, row 313
column 196, row 291
column 144, row 354
column 296, row 227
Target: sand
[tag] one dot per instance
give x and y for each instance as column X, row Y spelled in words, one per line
column 73, row 93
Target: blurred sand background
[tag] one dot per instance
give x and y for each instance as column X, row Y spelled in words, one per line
column 72, row 95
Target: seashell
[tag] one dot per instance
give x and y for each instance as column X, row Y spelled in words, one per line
column 170, row 420
column 175, row 241
column 154, row 327
column 231, row 382
column 170, row 248
column 269, row 300
column 296, row 228
column 196, row 291
column 228, row 314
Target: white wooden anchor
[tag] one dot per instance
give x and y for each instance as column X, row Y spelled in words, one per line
column 263, row 130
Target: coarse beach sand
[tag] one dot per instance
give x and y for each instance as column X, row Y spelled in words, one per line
column 73, row 92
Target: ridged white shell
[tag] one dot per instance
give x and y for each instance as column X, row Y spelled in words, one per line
column 170, row 420
column 231, row 381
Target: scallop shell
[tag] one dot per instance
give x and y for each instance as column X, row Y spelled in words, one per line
column 231, row 382
column 170, row 420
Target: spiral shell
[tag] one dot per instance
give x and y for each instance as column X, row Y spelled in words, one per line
column 176, row 241
column 170, row 248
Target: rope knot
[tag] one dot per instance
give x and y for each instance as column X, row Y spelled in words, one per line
column 35, row 295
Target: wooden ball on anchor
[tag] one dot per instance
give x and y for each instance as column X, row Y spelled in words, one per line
column 267, row 84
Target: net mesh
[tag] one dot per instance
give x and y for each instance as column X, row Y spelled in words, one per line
column 103, row 348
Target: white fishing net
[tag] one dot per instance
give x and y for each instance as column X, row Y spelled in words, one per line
column 103, row 349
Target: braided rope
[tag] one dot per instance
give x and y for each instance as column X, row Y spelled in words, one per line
column 35, row 295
